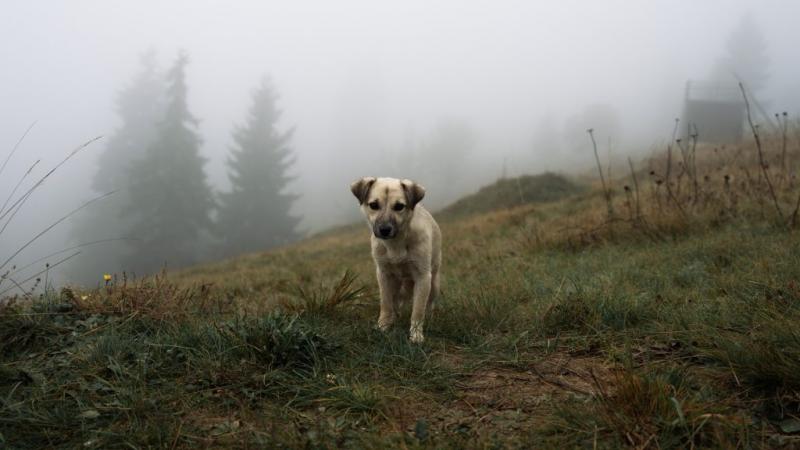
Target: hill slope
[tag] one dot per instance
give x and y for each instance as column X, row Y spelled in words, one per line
column 557, row 328
column 511, row 192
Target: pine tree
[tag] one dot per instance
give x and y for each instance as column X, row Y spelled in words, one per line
column 170, row 200
column 139, row 107
column 746, row 57
column 255, row 215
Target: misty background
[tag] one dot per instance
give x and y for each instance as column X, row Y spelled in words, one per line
column 452, row 94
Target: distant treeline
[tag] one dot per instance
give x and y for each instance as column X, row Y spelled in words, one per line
column 163, row 207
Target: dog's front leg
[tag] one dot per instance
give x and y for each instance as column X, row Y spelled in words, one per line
column 422, row 289
column 388, row 287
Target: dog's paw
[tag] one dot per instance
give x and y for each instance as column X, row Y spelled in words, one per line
column 383, row 325
column 416, row 335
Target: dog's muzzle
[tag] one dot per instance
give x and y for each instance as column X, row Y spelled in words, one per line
column 384, row 230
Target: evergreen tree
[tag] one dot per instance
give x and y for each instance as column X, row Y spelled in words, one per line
column 746, row 57
column 255, row 215
column 139, row 107
column 169, row 198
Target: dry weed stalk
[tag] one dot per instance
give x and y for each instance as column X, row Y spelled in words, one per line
column 668, row 180
column 606, row 192
column 784, row 128
column 721, row 185
column 761, row 161
column 793, row 222
column 10, row 209
column 636, row 188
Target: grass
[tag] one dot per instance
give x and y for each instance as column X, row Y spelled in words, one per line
column 19, row 279
column 668, row 326
column 511, row 192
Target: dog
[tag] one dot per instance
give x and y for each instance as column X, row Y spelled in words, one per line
column 406, row 247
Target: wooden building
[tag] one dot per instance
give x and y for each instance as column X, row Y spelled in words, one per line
column 715, row 110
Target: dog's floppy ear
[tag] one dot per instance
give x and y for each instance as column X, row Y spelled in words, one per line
column 414, row 192
column 360, row 188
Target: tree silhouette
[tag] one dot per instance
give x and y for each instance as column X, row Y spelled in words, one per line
column 169, row 199
column 255, row 214
column 746, row 57
column 140, row 106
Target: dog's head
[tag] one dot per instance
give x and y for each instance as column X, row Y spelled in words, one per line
column 388, row 203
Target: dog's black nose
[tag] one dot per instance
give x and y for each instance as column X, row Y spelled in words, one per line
column 385, row 230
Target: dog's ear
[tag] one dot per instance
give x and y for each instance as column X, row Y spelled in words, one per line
column 414, row 192
column 360, row 188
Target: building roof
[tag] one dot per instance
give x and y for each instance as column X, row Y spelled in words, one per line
column 713, row 91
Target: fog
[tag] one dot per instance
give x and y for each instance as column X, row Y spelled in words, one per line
column 362, row 83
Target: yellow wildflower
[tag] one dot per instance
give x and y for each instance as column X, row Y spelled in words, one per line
column 106, row 277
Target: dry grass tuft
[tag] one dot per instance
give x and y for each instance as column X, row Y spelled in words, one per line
column 324, row 299
column 155, row 297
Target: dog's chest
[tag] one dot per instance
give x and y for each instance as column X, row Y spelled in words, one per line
column 395, row 255
column 397, row 259
column 400, row 268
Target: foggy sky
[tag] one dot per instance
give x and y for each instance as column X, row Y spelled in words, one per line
column 357, row 78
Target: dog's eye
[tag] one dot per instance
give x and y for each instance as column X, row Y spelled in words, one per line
column 374, row 205
column 398, row 206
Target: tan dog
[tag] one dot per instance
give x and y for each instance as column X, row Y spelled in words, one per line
column 406, row 247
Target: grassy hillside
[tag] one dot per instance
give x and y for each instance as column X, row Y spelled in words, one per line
column 511, row 192
column 670, row 322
